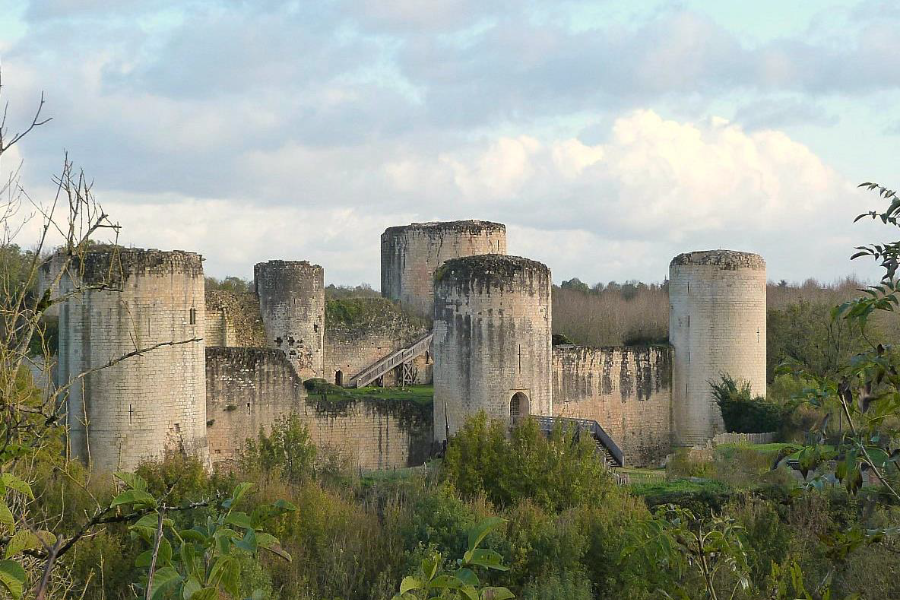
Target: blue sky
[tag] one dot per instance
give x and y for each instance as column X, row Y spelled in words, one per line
column 609, row 136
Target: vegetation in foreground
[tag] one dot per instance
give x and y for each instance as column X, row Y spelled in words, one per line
column 505, row 514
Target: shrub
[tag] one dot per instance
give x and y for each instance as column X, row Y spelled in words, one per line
column 286, row 451
column 742, row 412
column 558, row 472
column 559, row 587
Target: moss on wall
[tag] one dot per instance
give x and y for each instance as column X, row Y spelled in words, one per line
column 368, row 313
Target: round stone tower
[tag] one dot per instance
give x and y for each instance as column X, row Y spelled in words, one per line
column 411, row 254
column 292, row 303
column 717, row 325
column 128, row 300
column 492, row 340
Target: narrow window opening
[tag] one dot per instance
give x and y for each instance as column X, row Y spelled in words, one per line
column 130, row 414
column 689, row 320
column 520, row 358
column 248, row 408
column 192, row 316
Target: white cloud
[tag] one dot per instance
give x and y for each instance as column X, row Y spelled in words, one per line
column 252, row 130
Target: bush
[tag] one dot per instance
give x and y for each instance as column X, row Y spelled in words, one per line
column 559, row 587
column 558, row 472
column 286, row 451
column 742, row 412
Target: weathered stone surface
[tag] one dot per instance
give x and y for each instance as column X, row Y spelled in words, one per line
column 249, row 388
column 625, row 389
column 492, row 339
column 717, row 326
column 292, row 302
column 233, row 319
column 146, row 405
column 348, row 351
column 411, row 254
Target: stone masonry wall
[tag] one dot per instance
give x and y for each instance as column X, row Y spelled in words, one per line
column 492, row 339
column 234, row 320
column 292, row 303
column 249, row 388
column 149, row 404
column 411, row 254
column 625, row 389
column 350, row 350
column 717, row 326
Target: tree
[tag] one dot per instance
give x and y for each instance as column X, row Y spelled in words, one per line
column 864, row 390
column 35, row 540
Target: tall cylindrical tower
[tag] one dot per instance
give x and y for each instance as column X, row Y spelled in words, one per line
column 411, row 254
column 292, row 303
column 717, row 325
column 492, row 340
column 146, row 302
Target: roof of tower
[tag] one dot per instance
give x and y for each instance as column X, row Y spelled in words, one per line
column 493, row 267
column 724, row 259
column 108, row 263
column 470, row 226
column 299, row 265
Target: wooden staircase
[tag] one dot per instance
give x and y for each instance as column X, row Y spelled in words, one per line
column 403, row 357
column 613, row 455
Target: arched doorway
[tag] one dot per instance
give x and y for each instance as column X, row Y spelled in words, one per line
column 339, row 378
column 518, row 408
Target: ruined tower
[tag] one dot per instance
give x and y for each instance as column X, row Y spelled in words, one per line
column 131, row 300
column 492, row 340
column 292, row 303
column 717, row 325
column 411, row 254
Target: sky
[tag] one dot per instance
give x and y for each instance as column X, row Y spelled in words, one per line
column 608, row 136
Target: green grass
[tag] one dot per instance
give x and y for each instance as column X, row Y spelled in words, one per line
column 697, row 494
column 420, row 394
column 640, row 476
column 764, row 449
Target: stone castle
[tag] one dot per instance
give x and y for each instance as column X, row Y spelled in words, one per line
column 220, row 367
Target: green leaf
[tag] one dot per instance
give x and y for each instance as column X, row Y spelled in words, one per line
column 164, row 580
column 22, row 540
column 226, row 572
column 496, row 593
column 468, row 577
column 191, row 587
column 285, row 506
column 193, row 535
column 409, row 583
column 485, row 558
column 132, row 480
column 12, row 577
column 248, row 542
column 14, row 483
column 189, row 560
column 209, row 593
column 136, row 497
column 143, row 559
column 239, row 492
column 239, row 519
column 6, row 516
column 478, row 533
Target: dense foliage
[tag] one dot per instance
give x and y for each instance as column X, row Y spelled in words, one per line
column 743, row 412
column 555, row 473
